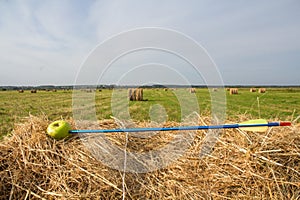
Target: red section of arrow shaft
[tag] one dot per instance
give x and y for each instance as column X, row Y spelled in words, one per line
column 285, row 123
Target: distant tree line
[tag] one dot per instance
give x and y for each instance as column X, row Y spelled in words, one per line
column 71, row 87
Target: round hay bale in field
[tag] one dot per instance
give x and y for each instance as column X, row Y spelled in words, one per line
column 233, row 91
column 135, row 94
column 33, row 91
column 21, row 91
column 252, row 89
column 192, row 90
column 242, row 165
column 130, row 94
column 140, row 94
column 262, row 90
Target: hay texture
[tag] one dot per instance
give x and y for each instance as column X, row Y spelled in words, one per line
column 242, row 165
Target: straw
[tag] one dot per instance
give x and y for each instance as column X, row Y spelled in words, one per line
column 242, row 165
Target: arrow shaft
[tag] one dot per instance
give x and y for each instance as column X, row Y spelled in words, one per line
column 224, row 126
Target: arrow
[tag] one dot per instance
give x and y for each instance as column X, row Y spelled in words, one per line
column 258, row 125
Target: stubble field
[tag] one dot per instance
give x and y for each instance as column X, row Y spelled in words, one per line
column 276, row 103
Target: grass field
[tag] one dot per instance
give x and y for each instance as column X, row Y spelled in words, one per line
column 276, row 103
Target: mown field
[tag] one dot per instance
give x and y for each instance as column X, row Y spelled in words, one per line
column 276, row 103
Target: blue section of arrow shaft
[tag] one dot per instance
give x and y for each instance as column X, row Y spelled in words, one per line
column 224, row 126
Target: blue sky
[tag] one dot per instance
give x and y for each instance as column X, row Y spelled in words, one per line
column 251, row 42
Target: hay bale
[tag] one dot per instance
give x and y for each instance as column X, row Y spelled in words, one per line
column 130, row 94
column 233, row 91
column 261, row 90
column 215, row 89
column 21, row 91
column 33, row 91
column 192, row 90
column 36, row 166
column 240, row 166
column 140, row 94
column 135, row 94
column 252, row 89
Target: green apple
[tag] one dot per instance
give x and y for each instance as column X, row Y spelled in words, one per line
column 59, row 129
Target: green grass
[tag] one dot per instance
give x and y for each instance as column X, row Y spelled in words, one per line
column 15, row 106
column 282, row 104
